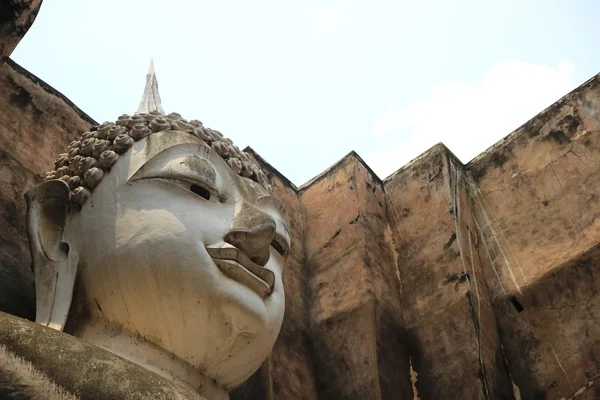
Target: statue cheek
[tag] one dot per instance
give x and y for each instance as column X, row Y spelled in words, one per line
column 139, row 226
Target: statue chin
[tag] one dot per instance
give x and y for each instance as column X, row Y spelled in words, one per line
column 174, row 263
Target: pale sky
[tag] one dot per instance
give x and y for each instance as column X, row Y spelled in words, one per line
column 303, row 83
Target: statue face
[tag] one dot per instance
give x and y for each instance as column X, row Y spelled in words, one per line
column 175, row 247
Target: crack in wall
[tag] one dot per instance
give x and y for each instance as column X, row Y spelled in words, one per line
column 550, row 164
column 455, row 176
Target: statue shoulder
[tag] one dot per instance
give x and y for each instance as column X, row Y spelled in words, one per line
column 39, row 362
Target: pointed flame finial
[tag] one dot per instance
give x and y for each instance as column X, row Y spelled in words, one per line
column 151, row 98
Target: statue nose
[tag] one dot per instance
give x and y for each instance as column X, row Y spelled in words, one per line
column 252, row 231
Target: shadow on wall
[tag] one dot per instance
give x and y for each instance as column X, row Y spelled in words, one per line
column 552, row 344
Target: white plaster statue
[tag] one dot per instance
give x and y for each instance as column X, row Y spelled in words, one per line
column 156, row 239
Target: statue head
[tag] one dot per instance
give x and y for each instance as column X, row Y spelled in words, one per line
column 158, row 239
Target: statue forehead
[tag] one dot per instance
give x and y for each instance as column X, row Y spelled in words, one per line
column 186, row 144
column 161, row 142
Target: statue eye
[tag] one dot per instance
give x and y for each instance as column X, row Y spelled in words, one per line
column 278, row 247
column 200, row 191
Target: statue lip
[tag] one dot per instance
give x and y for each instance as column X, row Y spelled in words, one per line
column 237, row 266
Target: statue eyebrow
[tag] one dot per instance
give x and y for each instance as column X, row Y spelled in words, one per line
column 182, row 166
column 199, row 166
column 197, row 158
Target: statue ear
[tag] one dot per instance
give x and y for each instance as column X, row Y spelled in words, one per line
column 54, row 263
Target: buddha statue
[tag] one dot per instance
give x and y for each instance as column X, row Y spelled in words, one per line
column 156, row 239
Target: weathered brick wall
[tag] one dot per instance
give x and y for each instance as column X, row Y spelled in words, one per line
column 16, row 17
column 356, row 317
column 538, row 203
column 454, row 344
